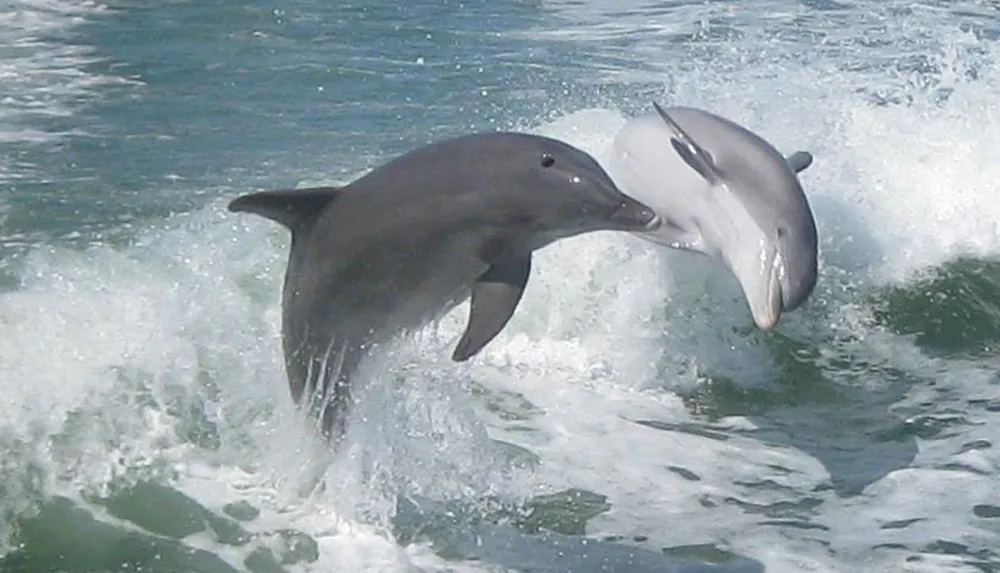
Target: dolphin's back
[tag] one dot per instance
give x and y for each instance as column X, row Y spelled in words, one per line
column 739, row 150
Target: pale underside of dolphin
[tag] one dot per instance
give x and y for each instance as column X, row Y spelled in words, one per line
column 402, row 245
column 724, row 191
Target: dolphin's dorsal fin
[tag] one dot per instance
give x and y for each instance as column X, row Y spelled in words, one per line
column 693, row 154
column 494, row 298
column 296, row 209
column 799, row 160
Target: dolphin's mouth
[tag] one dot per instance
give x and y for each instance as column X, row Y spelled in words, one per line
column 632, row 215
column 653, row 223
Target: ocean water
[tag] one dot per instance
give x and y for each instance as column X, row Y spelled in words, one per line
column 628, row 419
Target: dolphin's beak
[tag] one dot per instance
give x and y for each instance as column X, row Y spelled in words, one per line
column 760, row 280
column 632, row 215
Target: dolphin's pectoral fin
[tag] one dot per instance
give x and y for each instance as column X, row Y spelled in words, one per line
column 693, row 154
column 706, row 170
column 800, row 160
column 494, row 298
column 293, row 208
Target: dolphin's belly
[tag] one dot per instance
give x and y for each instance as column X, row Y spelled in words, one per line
column 373, row 301
column 656, row 177
column 412, row 299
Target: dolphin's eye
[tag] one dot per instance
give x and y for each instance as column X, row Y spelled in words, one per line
column 782, row 231
column 547, row 160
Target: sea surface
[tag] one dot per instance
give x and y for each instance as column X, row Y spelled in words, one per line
column 629, row 418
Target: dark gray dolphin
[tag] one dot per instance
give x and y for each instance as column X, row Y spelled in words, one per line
column 405, row 243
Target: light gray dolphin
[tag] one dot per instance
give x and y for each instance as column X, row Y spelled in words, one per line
column 405, row 243
column 724, row 191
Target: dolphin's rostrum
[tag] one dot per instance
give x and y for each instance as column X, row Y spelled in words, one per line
column 410, row 240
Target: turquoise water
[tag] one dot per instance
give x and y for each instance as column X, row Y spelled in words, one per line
column 628, row 419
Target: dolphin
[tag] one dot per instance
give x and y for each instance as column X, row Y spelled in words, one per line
column 723, row 191
column 402, row 245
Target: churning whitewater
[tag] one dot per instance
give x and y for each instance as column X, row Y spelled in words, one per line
column 629, row 417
